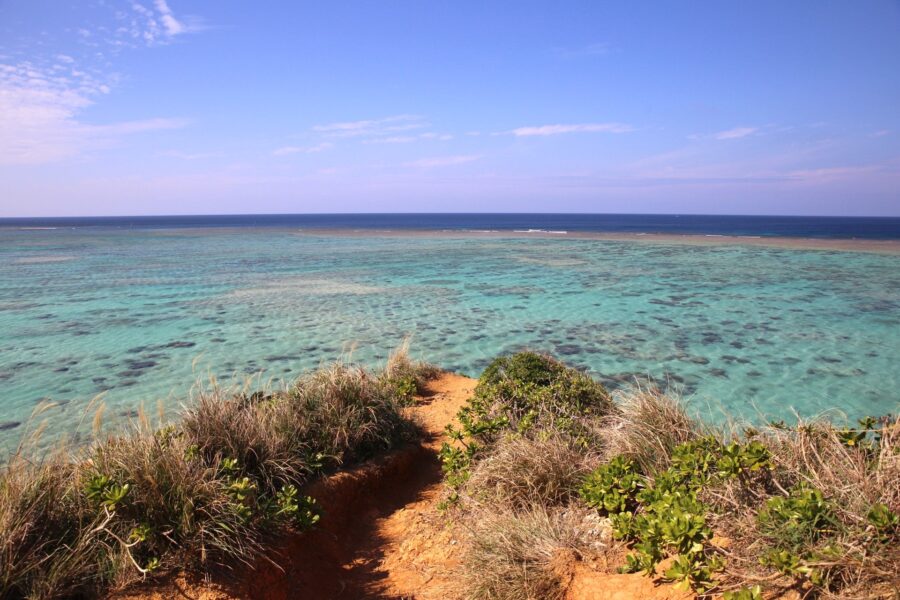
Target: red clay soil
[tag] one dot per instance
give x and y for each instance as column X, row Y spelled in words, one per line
column 383, row 537
column 582, row 582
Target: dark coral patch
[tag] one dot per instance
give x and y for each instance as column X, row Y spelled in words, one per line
column 179, row 344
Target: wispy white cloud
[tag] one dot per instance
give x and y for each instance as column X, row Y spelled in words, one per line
column 430, row 135
column 141, row 126
column 172, row 25
column 880, row 133
column 191, row 155
column 828, row 174
column 593, row 49
column 441, row 161
column 735, row 133
column 43, row 100
column 394, row 139
column 287, row 150
column 406, row 139
column 542, row 130
column 39, row 114
column 372, row 127
column 152, row 25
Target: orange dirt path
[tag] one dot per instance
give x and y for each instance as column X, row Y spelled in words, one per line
column 381, row 536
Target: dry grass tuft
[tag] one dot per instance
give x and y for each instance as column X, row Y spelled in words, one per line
column 524, row 471
column 36, row 514
column 200, row 493
column 855, row 559
column 813, row 508
column 400, row 366
column 648, row 425
column 523, row 554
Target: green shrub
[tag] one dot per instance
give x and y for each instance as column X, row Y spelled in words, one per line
column 741, row 460
column 670, row 520
column 795, row 521
column 664, row 516
column 613, row 487
column 810, row 506
column 884, row 520
column 526, row 390
column 517, row 395
column 746, row 593
column 525, row 368
column 859, row 437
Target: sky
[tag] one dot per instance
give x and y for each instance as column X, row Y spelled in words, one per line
column 219, row 107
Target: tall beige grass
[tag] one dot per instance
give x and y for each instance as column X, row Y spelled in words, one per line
column 201, row 493
column 521, row 554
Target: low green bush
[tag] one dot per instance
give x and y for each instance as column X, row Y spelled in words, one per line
column 812, row 507
column 799, row 533
column 518, row 395
column 745, row 593
column 613, row 487
column 663, row 515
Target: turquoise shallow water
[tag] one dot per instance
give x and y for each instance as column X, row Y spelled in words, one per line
column 141, row 315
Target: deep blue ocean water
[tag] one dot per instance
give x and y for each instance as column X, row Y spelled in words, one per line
column 138, row 310
column 885, row 228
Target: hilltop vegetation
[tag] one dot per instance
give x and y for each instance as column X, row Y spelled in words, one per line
column 209, row 490
column 547, row 475
column 545, row 464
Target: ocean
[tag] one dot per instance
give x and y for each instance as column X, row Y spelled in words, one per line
column 138, row 310
column 875, row 228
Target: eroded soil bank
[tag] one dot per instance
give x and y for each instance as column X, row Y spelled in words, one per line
column 381, row 536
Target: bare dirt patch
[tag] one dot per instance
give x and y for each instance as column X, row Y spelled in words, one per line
column 381, row 536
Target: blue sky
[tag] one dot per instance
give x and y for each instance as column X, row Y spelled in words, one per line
column 195, row 107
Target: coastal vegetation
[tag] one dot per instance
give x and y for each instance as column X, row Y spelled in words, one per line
column 209, row 490
column 546, row 466
column 546, row 475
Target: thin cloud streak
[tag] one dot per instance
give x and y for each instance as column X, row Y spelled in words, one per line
column 406, row 139
column 736, row 133
column 595, row 49
column 441, row 161
column 396, row 139
column 191, row 155
column 372, row 127
column 287, row 150
column 543, row 130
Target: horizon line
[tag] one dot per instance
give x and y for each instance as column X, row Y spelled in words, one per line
column 444, row 213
